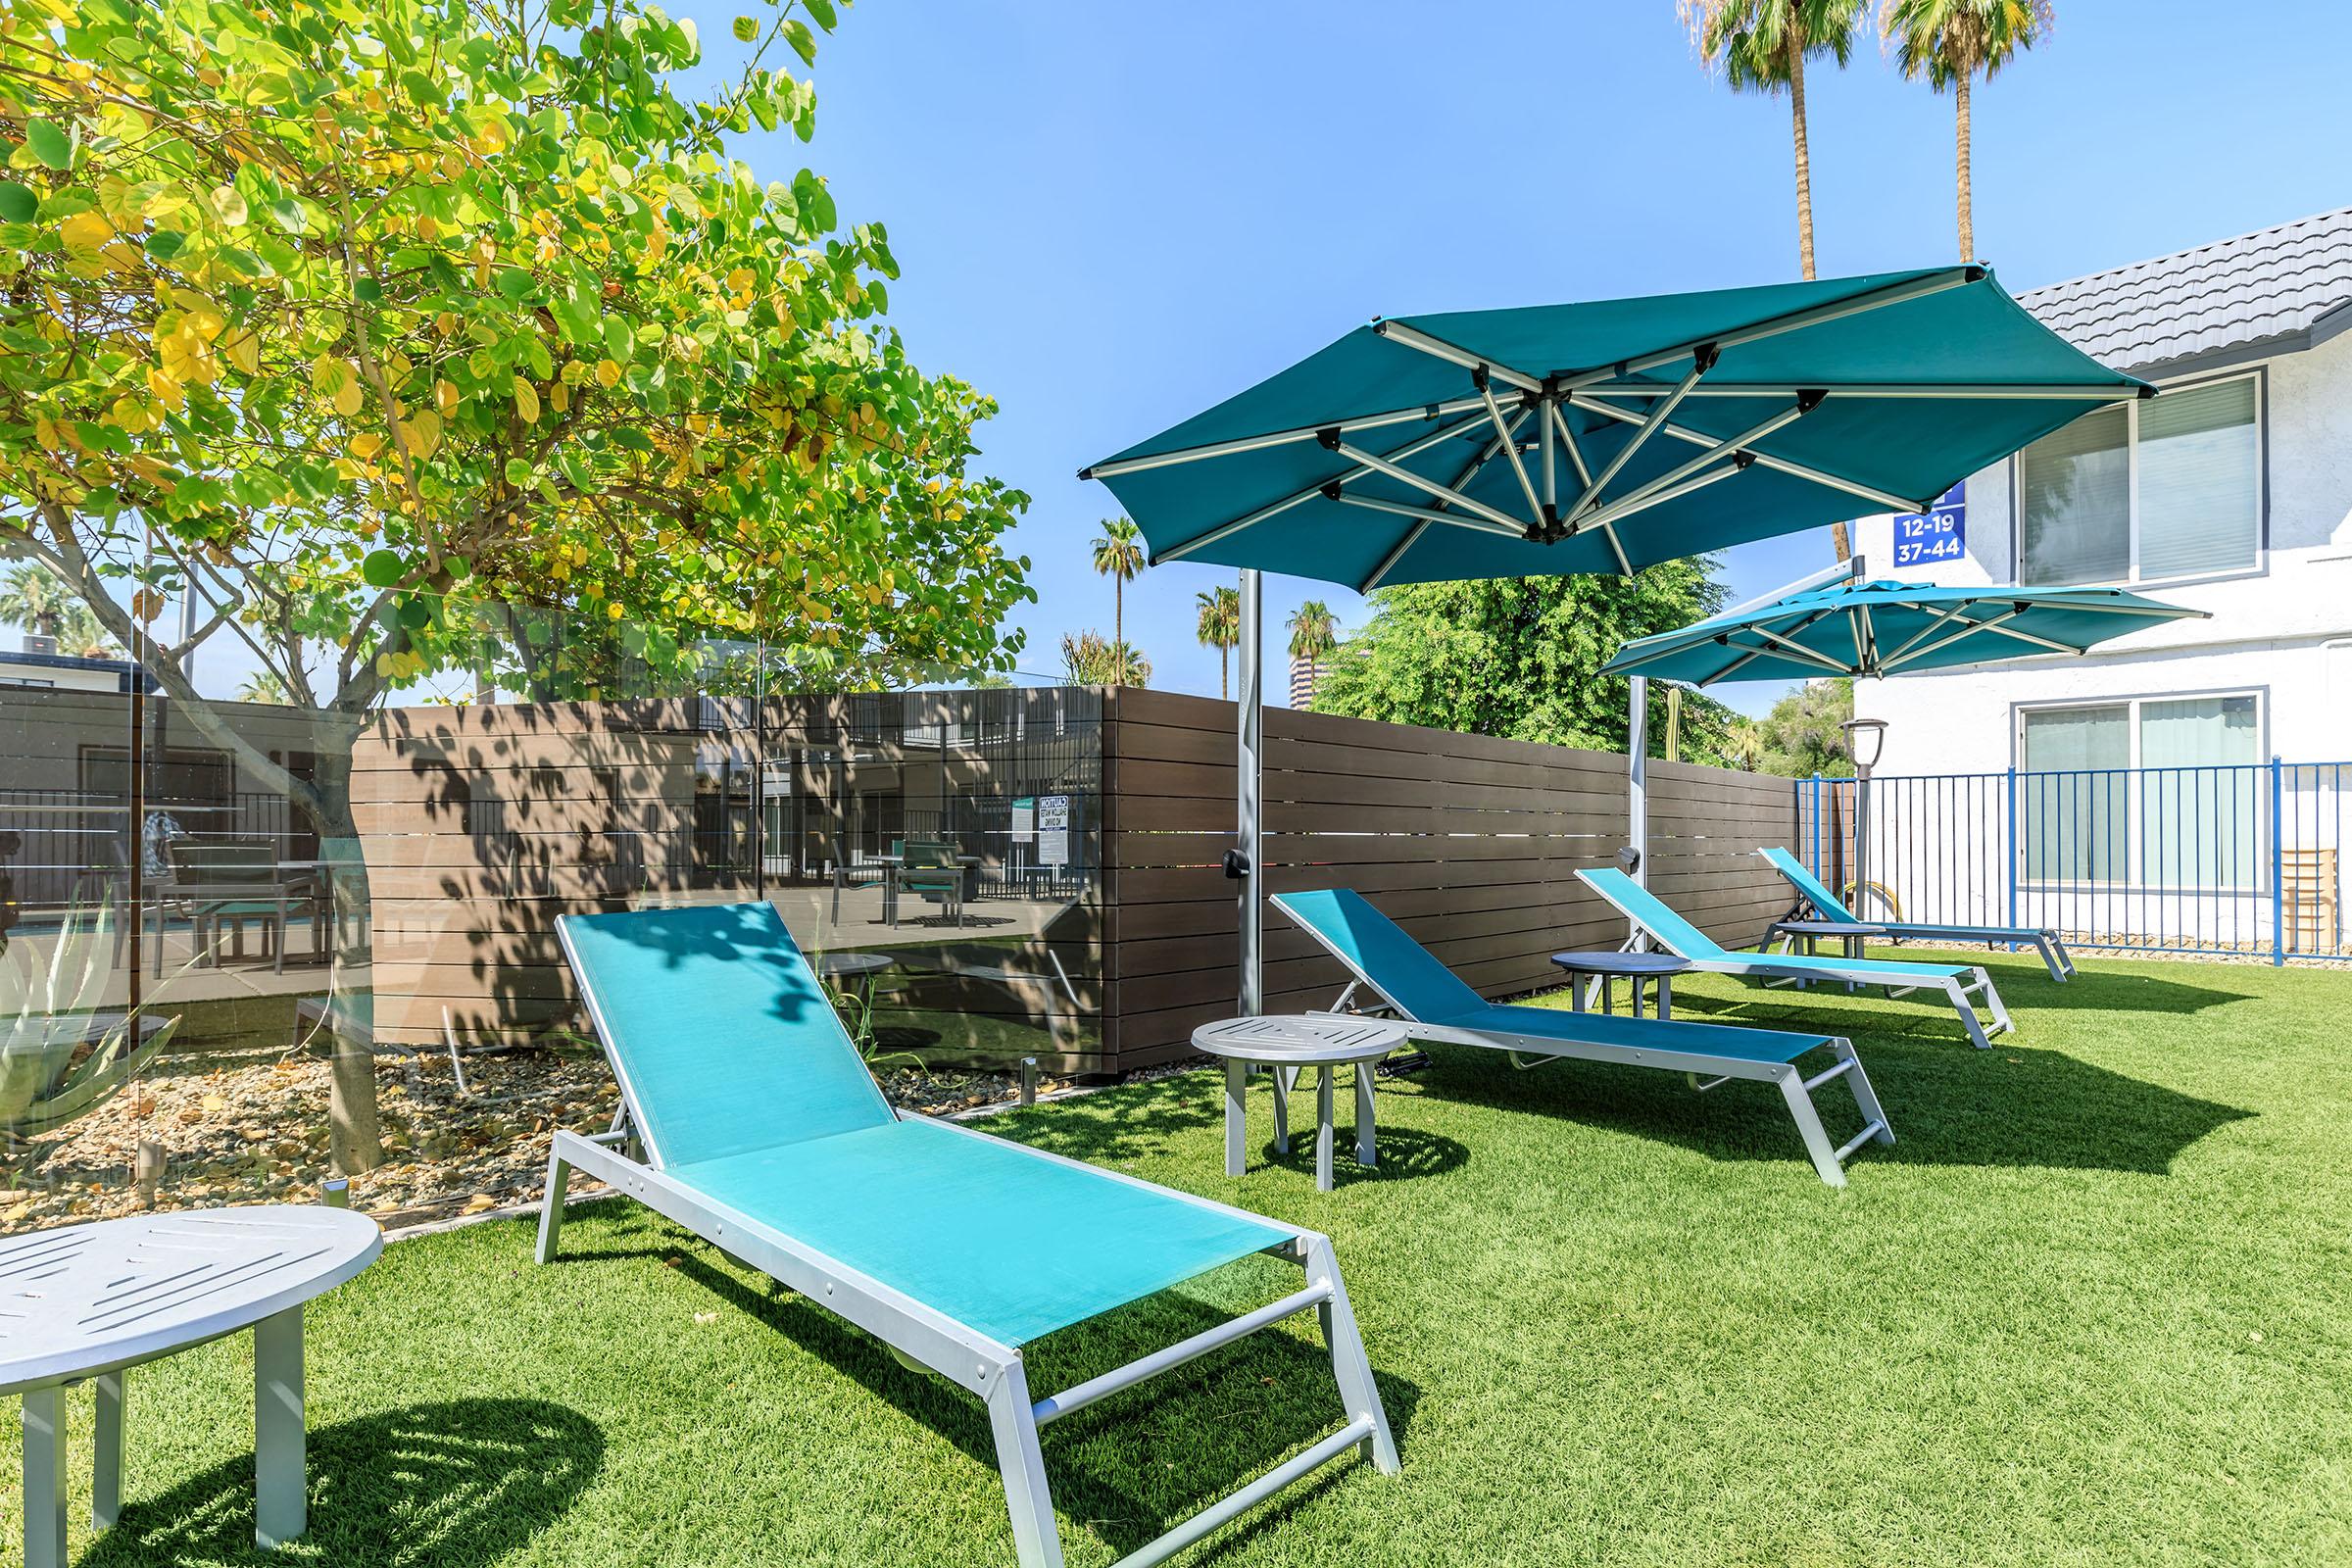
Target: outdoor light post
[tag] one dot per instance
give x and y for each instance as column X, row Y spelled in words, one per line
column 1865, row 739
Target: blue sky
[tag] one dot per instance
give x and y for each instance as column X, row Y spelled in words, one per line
column 1112, row 213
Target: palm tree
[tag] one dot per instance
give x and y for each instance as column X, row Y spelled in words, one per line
column 1089, row 660
column 1761, row 46
column 35, row 598
column 1314, row 632
column 1951, row 42
column 1219, row 626
column 1119, row 555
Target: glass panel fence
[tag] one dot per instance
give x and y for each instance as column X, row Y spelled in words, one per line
column 264, row 934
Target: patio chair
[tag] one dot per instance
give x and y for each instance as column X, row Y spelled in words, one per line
column 1964, row 986
column 932, row 872
column 1423, row 993
column 1815, row 898
column 218, row 885
column 762, row 1132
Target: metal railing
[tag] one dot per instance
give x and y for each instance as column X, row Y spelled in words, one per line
column 2243, row 859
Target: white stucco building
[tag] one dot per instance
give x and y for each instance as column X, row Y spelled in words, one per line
column 2230, row 493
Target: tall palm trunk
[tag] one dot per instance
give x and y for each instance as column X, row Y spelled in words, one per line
column 1224, row 652
column 1968, row 221
column 1118, row 610
column 1804, row 156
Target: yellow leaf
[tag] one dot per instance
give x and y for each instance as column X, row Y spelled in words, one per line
column 349, row 397
column 526, row 399
column 422, row 430
column 244, row 350
column 445, row 396
column 228, row 206
column 607, row 373
column 146, row 603
column 366, row 444
column 558, row 396
column 44, row 430
column 86, row 233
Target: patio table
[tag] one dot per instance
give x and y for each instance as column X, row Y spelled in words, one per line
column 1657, row 969
column 1290, row 1046
column 1809, row 933
column 90, row 1301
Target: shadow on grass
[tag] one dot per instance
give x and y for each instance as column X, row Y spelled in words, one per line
column 2029, row 986
column 453, row 1485
column 1949, row 1104
column 1404, row 1153
column 1126, row 1470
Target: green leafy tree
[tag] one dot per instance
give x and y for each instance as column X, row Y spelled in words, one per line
column 1762, row 46
column 1521, row 657
column 1119, row 555
column 1088, row 661
column 1952, row 43
column 431, row 335
column 1800, row 737
column 1218, row 623
column 1743, row 745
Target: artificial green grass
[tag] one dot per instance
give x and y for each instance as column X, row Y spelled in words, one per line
column 2091, row 1309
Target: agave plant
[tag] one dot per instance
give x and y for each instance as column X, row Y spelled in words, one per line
column 60, row 1055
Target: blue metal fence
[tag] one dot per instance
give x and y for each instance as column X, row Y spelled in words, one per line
column 2239, row 859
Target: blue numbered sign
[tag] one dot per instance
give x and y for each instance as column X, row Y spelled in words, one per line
column 1938, row 535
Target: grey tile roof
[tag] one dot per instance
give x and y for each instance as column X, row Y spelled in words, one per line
column 2272, row 286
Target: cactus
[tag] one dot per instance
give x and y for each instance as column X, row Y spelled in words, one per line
column 55, row 1063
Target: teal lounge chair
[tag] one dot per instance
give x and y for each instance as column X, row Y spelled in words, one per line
column 1817, row 902
column 1411, row 983
column 761, row 1130
column 1964, row 986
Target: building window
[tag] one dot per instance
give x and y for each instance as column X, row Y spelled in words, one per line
column 2152, row 792
column 2155, row 490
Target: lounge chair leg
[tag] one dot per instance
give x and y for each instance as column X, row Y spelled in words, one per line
column 1349, row 1365
column 551, row 1208
column 1966, row 1006
column 1824, row 1154
column 1994, row 1003
column 1036, row 1537
column 2049, row 958
column 1866, row 1099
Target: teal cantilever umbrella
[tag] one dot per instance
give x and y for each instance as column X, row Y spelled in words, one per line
column 1885, row 628
column 1607, row 435
column 1600, row 436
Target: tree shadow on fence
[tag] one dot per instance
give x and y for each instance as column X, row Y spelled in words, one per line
column 452, row 1485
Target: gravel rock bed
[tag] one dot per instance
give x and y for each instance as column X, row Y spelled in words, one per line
column 255, row 1130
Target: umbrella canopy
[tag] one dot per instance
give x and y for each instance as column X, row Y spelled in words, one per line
column 1883, row 628
column 1607, row 435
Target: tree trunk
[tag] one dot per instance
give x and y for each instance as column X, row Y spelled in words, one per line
column 1960, row 140
column 1119, row 623
column 355, row 1141
column 1804, row 156
column 1222, row 662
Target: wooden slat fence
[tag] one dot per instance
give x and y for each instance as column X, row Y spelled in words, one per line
column 1471, row 843
column 481, row 825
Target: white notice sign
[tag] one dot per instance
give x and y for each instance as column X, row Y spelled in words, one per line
column 1054, row 830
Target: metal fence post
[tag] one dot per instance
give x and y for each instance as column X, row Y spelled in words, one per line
column 2010, row 840
column 1816, row 783
column 2277, row 869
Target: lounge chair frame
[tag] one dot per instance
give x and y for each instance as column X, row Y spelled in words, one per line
column 1704, row 1070
column 1967, row 987
column 2041, row 939
column 936, row 1342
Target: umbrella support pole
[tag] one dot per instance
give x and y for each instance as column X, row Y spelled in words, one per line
column 1244, row 864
